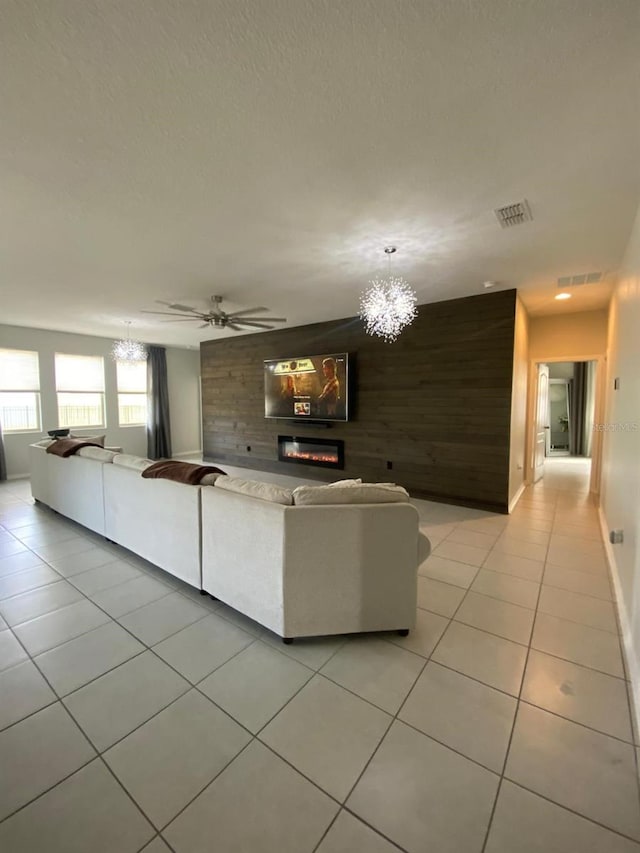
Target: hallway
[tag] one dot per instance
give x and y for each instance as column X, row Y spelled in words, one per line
column 565, row 474
column 501, row 723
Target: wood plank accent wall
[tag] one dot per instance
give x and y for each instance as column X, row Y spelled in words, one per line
column 436, row 404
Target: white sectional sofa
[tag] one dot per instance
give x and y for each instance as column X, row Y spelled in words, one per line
column 300, row 571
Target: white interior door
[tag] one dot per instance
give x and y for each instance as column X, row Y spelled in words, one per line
column 542, row 425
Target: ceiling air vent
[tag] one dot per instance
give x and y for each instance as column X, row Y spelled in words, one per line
column 513, row 214
column 581, row 278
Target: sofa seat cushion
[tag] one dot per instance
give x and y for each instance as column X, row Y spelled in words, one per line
column 255, row 489
column 365, row 493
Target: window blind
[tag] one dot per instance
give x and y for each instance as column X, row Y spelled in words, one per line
column 19, row 370
column 79, row 373
column 132, row 377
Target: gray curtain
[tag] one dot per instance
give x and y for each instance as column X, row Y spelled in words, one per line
column 158, row 426
column 3, row 458
column 578, row 409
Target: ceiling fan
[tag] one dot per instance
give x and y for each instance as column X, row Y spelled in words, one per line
column 216, row 317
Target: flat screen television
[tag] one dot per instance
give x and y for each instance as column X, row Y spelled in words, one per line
column 307, row 388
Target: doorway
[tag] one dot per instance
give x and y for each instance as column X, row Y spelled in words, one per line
column 564, row 411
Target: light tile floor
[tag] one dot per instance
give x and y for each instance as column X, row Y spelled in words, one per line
column 137, row 715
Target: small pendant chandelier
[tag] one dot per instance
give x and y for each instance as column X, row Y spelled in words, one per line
column 388, row 304
column 127, row 350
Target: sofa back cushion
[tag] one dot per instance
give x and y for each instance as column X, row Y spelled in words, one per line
column 97, row 453
column 255, row 489
column 128, row 460
column 365, row 493
column 210, row 479
column 94, row 439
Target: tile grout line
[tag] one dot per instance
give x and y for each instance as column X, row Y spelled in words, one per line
column 98, row 754
column 253, row 737
column 394, row 718
column 515, row 718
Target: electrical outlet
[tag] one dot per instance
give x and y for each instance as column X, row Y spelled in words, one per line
column 616, row 537
column 389, row 465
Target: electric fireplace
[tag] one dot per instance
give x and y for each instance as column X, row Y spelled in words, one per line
column 324, row 452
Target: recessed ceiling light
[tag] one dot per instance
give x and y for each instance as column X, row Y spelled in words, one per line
column 563, row 296
column 489, row 284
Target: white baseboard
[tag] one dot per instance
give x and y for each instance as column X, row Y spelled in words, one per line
column 187, row 453
column 514, row 500
column 631, row 658
column 18, row 476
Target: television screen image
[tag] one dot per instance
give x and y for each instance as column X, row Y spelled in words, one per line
column 311, row 387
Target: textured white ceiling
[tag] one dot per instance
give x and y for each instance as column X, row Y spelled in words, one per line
column 267, row 150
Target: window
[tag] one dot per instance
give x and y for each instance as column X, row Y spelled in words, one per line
column 80, row 387
column 19, row 391
column 132, row 392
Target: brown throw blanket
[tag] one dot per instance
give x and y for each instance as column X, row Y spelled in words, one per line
column 68, row 446
column 180, row 472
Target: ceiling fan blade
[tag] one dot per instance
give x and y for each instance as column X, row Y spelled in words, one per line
column 233, row 326
column 181, row 320
column 177, row 306
column 170, row 314
column 261, row 319
column 246, row 311
column 255, row 325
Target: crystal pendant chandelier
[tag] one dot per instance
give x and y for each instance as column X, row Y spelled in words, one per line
column 388, row 304
column 127, row 350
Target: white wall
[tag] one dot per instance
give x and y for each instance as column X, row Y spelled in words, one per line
column 183, row 371
column 183, row 377
column 620, row 490
column 518, row 435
